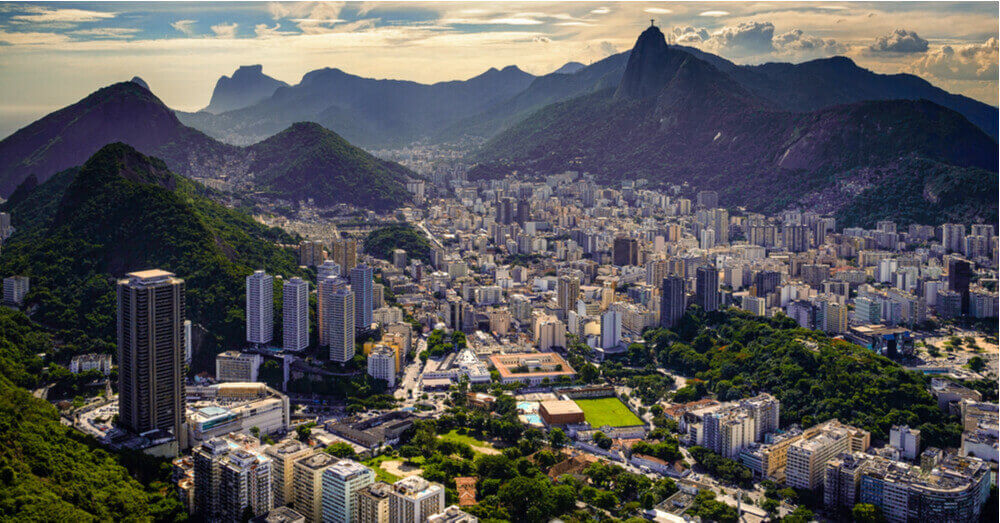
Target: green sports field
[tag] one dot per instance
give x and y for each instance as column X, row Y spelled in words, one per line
column 607, row 411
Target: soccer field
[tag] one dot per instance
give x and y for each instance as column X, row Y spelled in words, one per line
column 607, row 411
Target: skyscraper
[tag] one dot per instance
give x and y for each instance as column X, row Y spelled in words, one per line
column 707, row 288
column 611, row 329
column 311, row 253
column 151, row 353
column 626, row 251
column 260, row 308
column 361, row 283
column 720, row 224
column 336, row 318
column 766, row 282
column 796, row 238
column 567, row 292
column 345, row 253
column 959, row 275
column 673, row 301
column 295, row 314
column 413, row 499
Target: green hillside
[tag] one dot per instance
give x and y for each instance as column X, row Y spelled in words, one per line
column 48, row 471
column 123, row 211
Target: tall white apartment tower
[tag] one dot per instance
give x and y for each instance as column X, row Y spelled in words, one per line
column 341, row 483
column 414, row 499
column 336, row 318
column 295, row 314
column 260, row 308
column 361, row 283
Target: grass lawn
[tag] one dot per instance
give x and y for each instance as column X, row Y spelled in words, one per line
column 607, row 411
column 453, row 435
column 384, row 475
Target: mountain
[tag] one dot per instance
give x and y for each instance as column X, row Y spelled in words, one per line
column 142, row 83
column 122, row 211
column 308, row 161
column 365, row 111
column 123, row 112
column 128, row 113
column 826, row 82
column 675, row 118
column 569, row 68
column 247, row 86
column 544, row 90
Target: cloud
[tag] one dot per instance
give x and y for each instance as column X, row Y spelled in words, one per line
column 796, row 41
column 61, row 17
column 961, row 62
column 225, row 30
column 746, row 38
column 263, row 31
column 749, row 39
column 600, row 11
column 184, row 26
column 311, row 17
column 714, row 13
column 107, row 32
column 900, row 41
column 658, row 11
column 687, row 35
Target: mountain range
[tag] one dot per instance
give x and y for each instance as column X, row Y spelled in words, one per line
column 675, row 117
column 365, row 111
column 386, row 113
column 247, row 86
column 128, row 112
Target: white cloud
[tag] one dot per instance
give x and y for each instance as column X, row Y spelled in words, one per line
column 263, row 31
column 46, row 16
column 714, row 13
column 107, row 32
column 225, row 30
column 961, row 62
column 658, row 11
column 600, row 11
column 747, row 38
column 184, row 26
column 803, row 45
column 900, row 41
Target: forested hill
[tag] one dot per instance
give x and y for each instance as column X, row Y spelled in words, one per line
column 123, row 211
column 735, row 354
column 50, row 472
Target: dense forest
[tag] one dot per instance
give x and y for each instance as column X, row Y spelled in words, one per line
column 736, row 355
column 381, row 242
column 123, row 211
column 50, row 472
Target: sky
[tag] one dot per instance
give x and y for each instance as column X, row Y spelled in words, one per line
column 54, row 54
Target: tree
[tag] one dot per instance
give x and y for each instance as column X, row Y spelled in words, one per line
column 557, row 438
column 977, row 363
column 302, row 432
column 867, row 513
column 341, row 449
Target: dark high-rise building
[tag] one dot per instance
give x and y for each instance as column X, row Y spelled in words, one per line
column 796, row 238
column 626, row 252
column 707, row 288
column 766, row 282
column 673, row 301
column 959, row 275
column 523, row 211
column 361, row 282
column 151, row 353
column 505, row 211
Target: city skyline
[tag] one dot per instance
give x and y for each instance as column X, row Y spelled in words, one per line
column 181, row 49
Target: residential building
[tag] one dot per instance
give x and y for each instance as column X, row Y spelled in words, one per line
column 295, row 314
column 707, row 288
column 283, row 456
column 414, row 499
column 151, row 353
column 361, row 284
column 373, row 503
column 905, row 440
column 234, row 365
column 342, row 481
column 15, row 288
column 260, row 308
column 308, row 485
column 382, row 365
column 673, row 301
